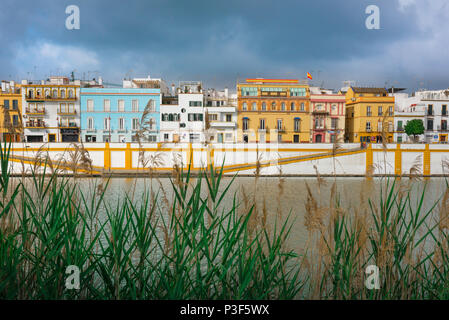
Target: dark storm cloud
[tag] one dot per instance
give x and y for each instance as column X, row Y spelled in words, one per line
column 216, row 41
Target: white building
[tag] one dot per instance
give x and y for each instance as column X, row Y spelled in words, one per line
column 183, row 114
column 51, row 110
column 436, row 117
column 406, row 109
column 221, row 110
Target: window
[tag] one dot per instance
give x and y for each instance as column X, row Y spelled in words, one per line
column 297, row 92
column 444, row 110
column 273, row 106
column 283, row 106
column 292, row 106
column 6, row 104
column 195, row 103
column 55, row 93
column 264, row 106
column 195, row 117
column 63, row 108
column 254, row 106
column 390, row 111
column 71, row 93
column 368, row 126
column 334, row 123
column 379, row 111
column 106, row 123
column 390, row 126
column 279, row 124
column 213, row 117
column 135, row 105
column 152, row 138
column 429, row 124
column 166, row 136
column 279, row 137
column 332, row 138
column 90, row 123
column 262, row 124
column 245, row 124
column 368, row 111
column 63, row 93
column 430, row 110
column 302, row 106
column 90, row 105
column 379, row 126
column 400, row 128
column 15, row 120
column 107, row 105
column 296, row 125
column 444, row 125
column 229, row 118
column 15, row 105
column 121, row 124
column 135, row 124
column 244, row 106
column 228, row 136
column 249, row 91
column 121, row 105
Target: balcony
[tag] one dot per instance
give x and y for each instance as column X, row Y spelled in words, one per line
column 66, row 112
column 34, row 111
column 264, row 129
column 70, row 125
column 280, row 129
column 48, row 98
column 38, row 124
column 400, row 129
column 225, row 124
column 368, row 129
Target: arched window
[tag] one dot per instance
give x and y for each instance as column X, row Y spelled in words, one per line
column 283, row 106
column 264, row 106
column 71, row 93
column 273, row 106
column 292, row 106
column 47, row 93
column 254, row 106
column 244, row 106
column 30, row 93
column 39, row 93
column 302, row 106
column 63, row 93
column 55, row 93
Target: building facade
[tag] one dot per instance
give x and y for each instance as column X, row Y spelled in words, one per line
column 369, row 115
column 51, row 110
column 120, row 114
column 273, row 110
column 221, row 116
column 11, row 127
column 436, row 115
column 328, row 116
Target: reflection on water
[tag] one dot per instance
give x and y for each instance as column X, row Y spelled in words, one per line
column 281, row 197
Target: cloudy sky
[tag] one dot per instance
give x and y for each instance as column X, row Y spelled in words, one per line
column 220, row 41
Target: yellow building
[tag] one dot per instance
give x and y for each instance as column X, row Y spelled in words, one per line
column 273, row 110
column 368, row 111
column 10, row 112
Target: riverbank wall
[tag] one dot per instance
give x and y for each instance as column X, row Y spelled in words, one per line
column 272, row 159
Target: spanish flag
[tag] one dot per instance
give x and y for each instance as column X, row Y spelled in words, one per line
column 309, row 76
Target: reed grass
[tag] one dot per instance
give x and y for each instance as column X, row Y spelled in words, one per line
column 189, row 244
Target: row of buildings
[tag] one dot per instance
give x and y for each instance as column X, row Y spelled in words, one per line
column 60, row 109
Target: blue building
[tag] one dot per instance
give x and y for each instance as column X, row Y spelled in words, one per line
column 115, row 114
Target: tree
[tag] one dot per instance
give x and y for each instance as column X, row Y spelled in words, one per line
column 414, row 128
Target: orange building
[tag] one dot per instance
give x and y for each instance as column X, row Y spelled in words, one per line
column 273, row 110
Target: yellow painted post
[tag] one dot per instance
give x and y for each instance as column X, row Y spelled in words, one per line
column 211, row 156
column 427, row 160
column 107, row 157
column 190, row 156
column 398, row 161
column 128, row 157
column 369, row 160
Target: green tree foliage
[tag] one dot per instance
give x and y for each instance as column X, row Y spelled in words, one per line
column 414, row 127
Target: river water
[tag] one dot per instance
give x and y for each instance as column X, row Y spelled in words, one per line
column 283, row 196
